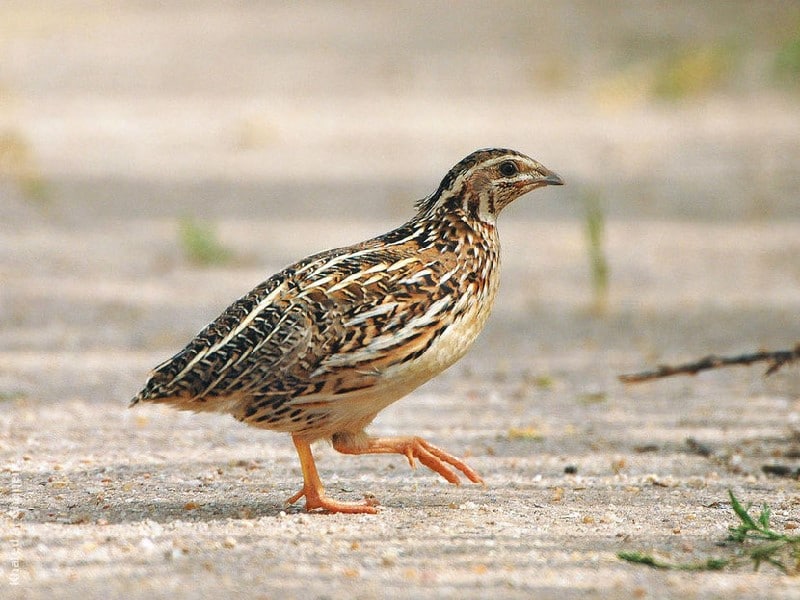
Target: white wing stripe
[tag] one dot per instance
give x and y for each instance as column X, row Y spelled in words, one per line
column 233, row 333
column 381, row 309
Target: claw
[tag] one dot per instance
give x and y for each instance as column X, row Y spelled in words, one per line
column 317, row 500
column 412, row 448
column 314, row 492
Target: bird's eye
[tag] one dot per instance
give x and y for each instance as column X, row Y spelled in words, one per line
column 508, row 168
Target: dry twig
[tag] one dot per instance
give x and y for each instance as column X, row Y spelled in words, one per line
column 775, row 359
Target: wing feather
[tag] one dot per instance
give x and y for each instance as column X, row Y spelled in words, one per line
column 330, row 324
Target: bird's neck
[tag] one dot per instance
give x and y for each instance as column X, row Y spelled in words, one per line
column 456, row 233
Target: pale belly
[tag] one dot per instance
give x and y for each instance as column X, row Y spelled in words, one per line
column 354, row 411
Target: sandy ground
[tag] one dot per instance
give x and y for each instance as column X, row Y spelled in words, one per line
column 702, row 237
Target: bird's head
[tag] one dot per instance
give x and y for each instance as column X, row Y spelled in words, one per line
column 485, row 182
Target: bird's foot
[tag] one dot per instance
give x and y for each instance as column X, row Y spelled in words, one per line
column 412, row 448
column 317, row 500
column 315, row 492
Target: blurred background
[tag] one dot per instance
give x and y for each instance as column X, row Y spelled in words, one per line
column 157, row 160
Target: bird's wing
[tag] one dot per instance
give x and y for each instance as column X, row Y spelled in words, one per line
column 321, row 328
column 217, row 361
column 382, row 314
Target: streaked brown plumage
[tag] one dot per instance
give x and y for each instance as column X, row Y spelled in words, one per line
column 320, row 348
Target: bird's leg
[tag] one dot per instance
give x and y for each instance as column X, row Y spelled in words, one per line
column 313, row 489
column 429, row 455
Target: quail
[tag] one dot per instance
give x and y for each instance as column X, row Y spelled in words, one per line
column 320, row 348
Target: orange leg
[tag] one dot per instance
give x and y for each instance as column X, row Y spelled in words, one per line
column 313, row 489
column 429, row 455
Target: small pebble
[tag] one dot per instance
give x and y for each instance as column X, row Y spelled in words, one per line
column 779, row 470
column 147, row 546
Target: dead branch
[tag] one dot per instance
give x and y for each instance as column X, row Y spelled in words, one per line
column 775, row 359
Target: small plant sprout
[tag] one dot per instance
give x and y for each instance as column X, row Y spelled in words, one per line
column 201, row 245
column 595, row 233
column 754, row 540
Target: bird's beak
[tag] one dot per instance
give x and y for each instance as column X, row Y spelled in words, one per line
column 552, row 178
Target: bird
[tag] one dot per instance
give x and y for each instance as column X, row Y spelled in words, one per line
column 320, row 348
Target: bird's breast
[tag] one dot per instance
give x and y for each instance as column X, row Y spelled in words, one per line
column 447, row 338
